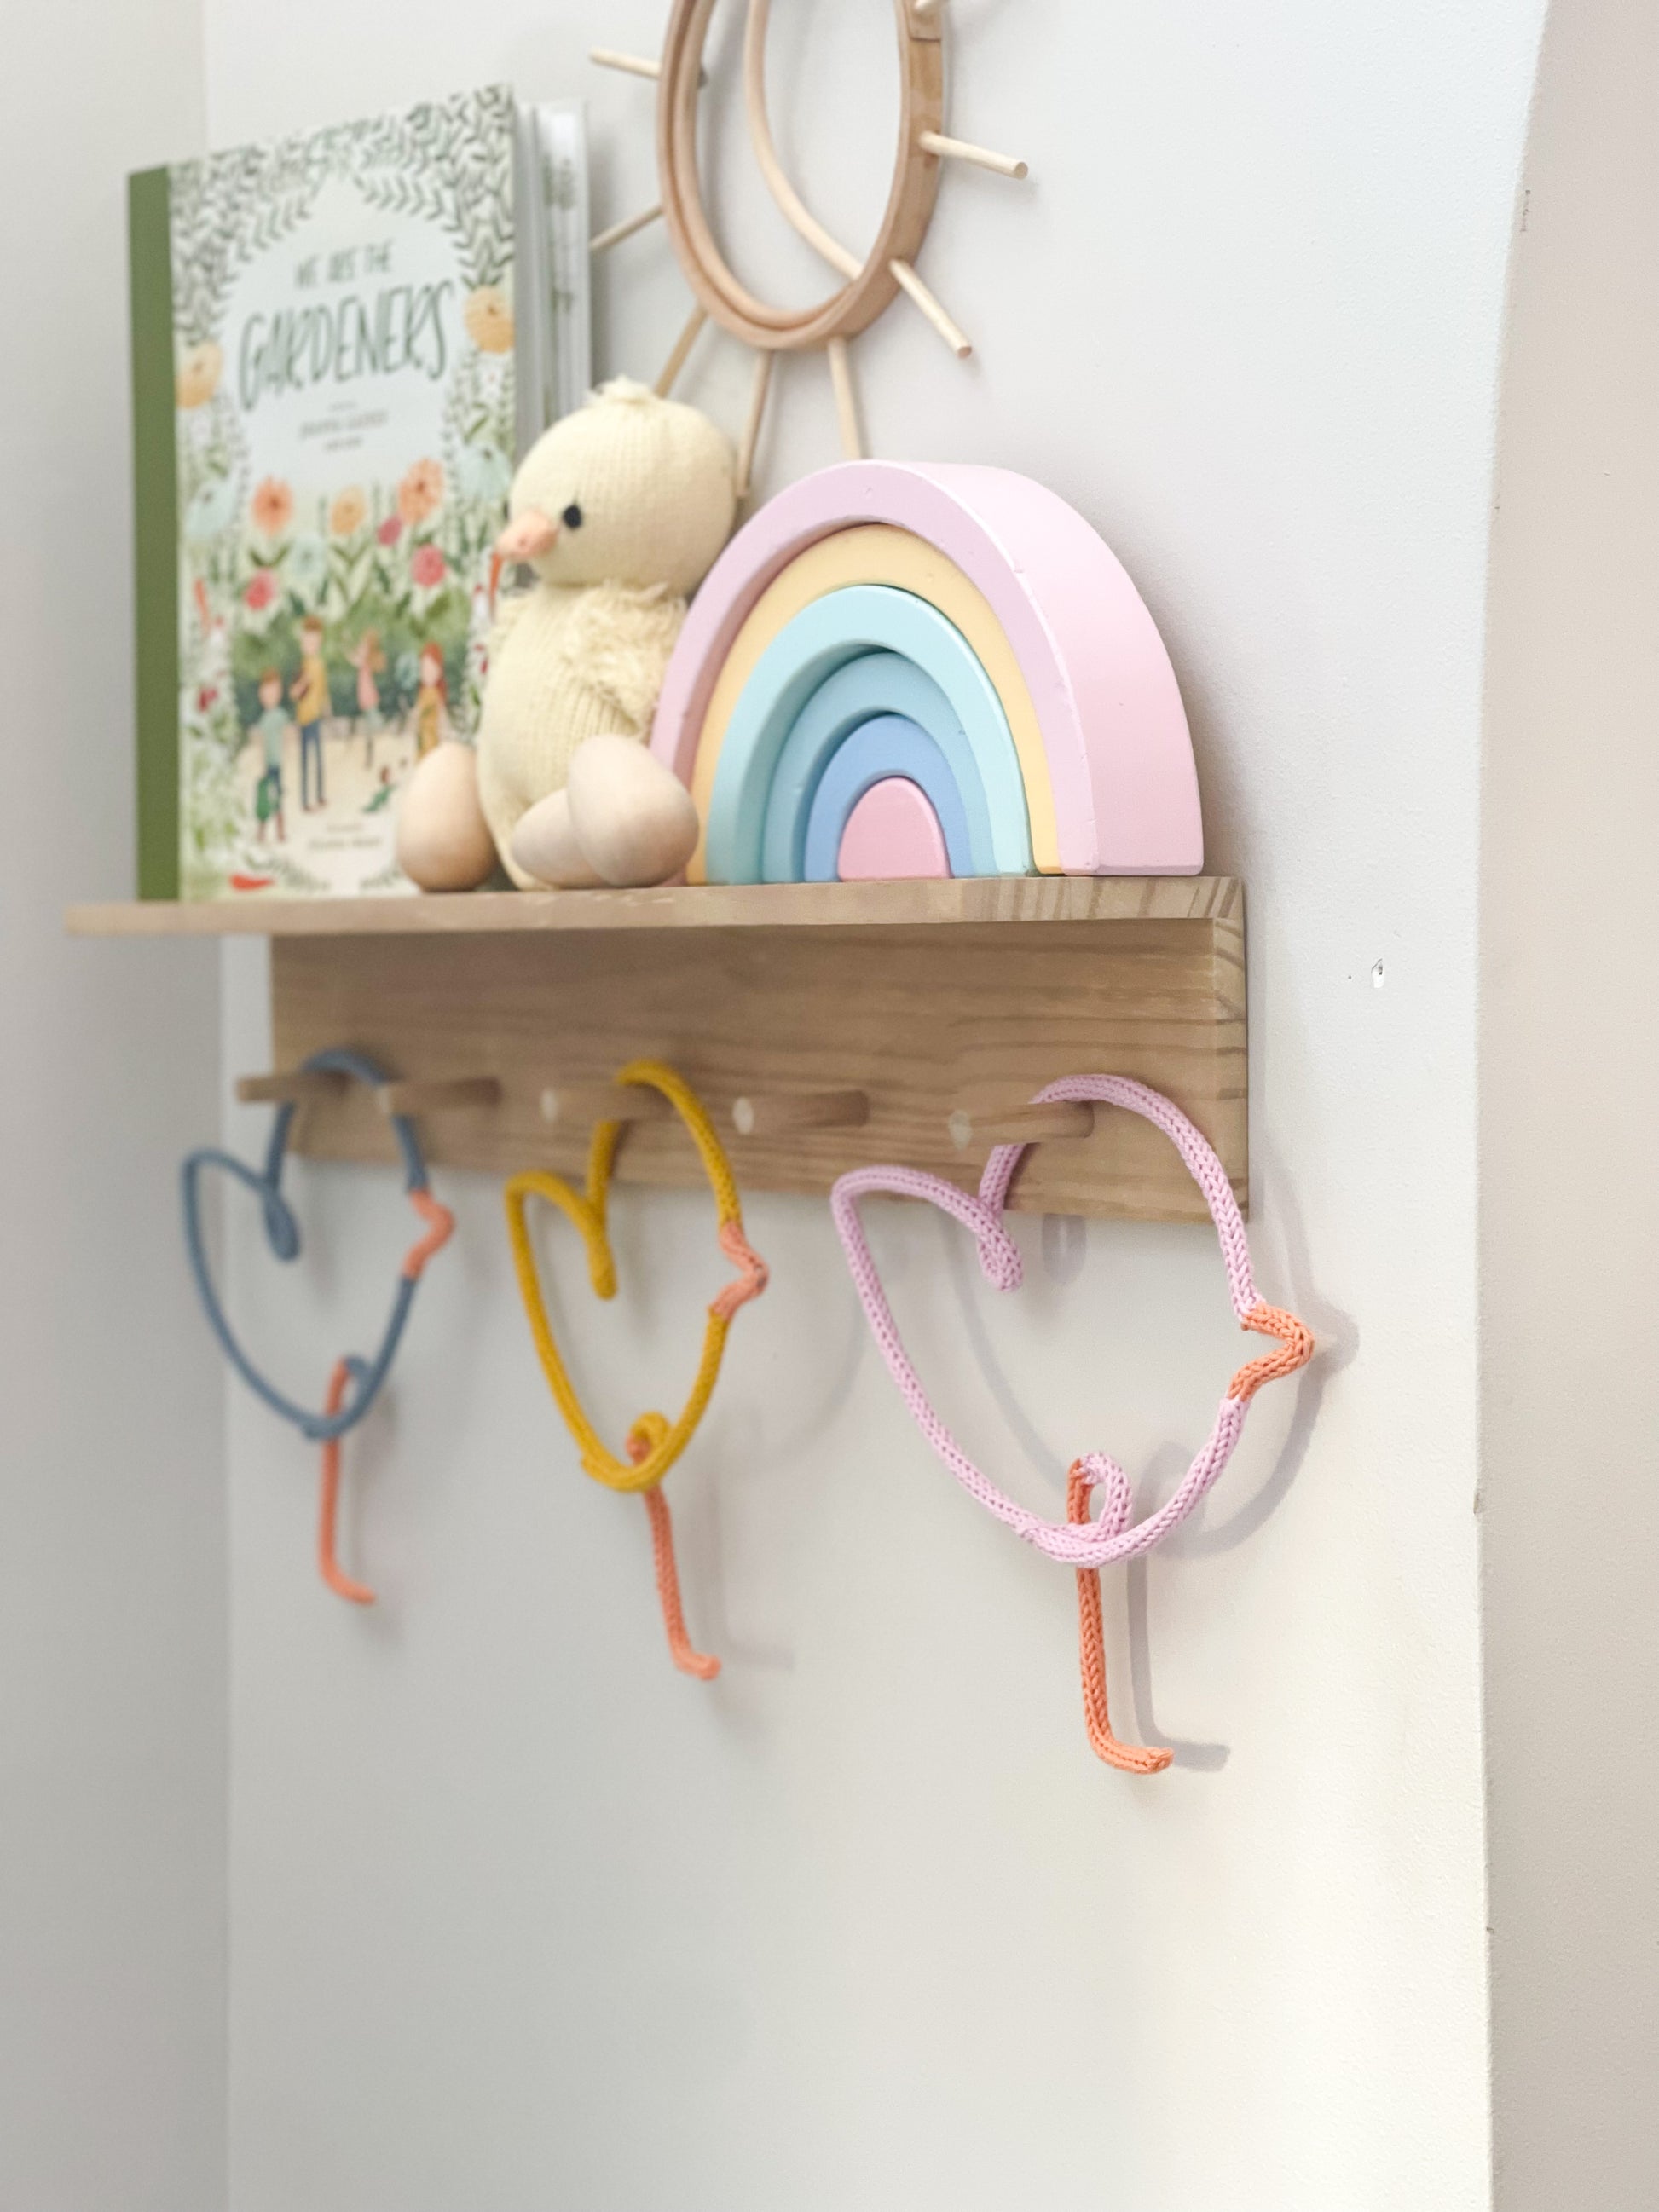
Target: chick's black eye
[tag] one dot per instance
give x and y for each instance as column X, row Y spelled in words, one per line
column 572, row 517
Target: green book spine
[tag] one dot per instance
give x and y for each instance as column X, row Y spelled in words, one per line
column 155, row 532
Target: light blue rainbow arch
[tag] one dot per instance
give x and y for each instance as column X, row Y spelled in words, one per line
column 874, row 667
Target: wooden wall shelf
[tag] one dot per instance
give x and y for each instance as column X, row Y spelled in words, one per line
column 1200, row 899
column 948, row 1004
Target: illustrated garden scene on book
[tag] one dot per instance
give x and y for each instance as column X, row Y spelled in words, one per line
column 343, row 312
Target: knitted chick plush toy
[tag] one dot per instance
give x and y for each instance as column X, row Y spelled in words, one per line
column 620, row 510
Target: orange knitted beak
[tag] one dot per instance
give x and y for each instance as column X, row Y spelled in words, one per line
column 527, row 537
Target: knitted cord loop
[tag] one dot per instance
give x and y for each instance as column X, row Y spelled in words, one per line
column 354, row 1383
column 653, row 1443
column 1076, row 1542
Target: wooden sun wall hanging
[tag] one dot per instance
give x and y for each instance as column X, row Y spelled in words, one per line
column 868, row 285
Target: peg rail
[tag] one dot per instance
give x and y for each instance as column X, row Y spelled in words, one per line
column 825, row 1025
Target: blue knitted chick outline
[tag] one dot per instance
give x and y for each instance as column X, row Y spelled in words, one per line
column 283, row 1235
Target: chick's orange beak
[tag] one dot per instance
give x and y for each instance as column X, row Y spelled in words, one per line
column 527, row 537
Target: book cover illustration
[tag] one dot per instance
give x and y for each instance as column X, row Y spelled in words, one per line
column 343, row 420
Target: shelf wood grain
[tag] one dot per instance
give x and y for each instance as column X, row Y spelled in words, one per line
column 685, row 906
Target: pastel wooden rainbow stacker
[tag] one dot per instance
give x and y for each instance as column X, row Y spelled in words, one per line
column 991, row 634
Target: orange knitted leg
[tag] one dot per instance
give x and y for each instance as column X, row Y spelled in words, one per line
column 1091, row 1654
column 340, row 1583
column 689, row 1661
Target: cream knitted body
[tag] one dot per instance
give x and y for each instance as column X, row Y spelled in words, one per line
column 637, row 495
column 565, row 666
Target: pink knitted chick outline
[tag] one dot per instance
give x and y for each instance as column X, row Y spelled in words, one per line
column 1086, row 1544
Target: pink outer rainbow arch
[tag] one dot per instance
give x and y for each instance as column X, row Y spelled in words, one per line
column 1114, row 731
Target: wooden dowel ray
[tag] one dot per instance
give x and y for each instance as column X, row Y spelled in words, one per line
column 294, row 1089
column 579, row 1105
column 847, row 412
column 683, row 345
column 441, row 1095
column 778, row 1113
column 958, row 342
column 606, row 239
column 751, row 428
column 630, row 64
column 964, row 149
column 633, row 64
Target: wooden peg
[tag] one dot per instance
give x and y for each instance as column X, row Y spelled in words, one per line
column 578, row 1105
column 618, row 231
column 1059, row 1118
column 442, row 1097
column 777, row 1113
column 299, row 1086
column 964, row 149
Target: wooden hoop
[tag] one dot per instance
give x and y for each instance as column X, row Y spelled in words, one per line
column 903, row 225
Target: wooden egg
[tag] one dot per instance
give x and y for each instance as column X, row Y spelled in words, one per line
column 634, row 819
column 545, row 846
column 444, row 842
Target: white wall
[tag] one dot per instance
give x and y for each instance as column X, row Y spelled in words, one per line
column 518, row 1916
column 1570, row 1066
column 113, row 1647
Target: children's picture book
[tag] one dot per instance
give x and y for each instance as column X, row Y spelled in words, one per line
column 341, row 341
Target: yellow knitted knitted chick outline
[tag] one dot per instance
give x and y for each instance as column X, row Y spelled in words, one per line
column 653, row 1443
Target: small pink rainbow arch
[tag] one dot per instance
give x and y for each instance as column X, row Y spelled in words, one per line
column 1107, row 765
